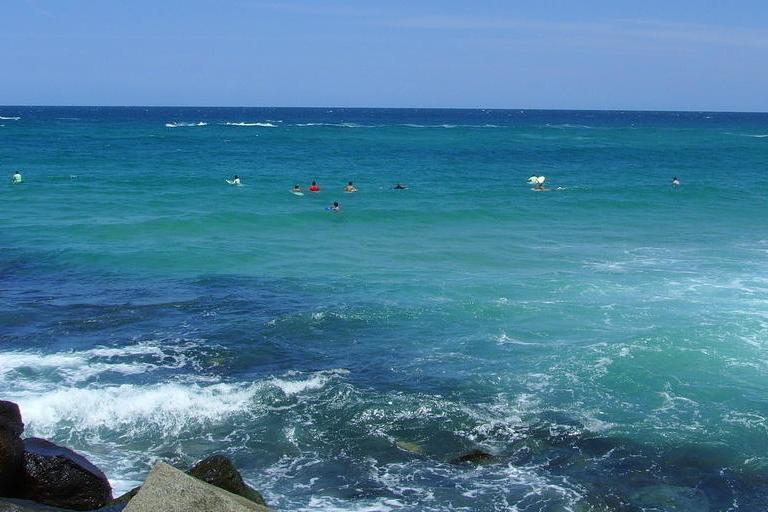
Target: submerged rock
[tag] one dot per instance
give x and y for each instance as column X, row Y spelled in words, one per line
column 11, row 448
column 671, row 498
column 218, row 470
column 409, row 446
column 58, row 476
column 167, row 489
column 474, row 457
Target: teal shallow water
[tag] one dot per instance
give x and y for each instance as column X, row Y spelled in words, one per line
column 605, row 339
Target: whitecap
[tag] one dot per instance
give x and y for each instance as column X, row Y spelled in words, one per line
column 3, row 118
column 265, row 125
column 316, row 381
column 134, row 410
column 180, row 124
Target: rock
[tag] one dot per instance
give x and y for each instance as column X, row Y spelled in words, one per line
column 408, row 446
column 218, row 470
column 125, row 498
column 167, row 489
column 9, row 505
column 473, row 457
column 60, row 477
column 11, row 448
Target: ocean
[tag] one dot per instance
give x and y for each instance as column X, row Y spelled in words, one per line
column 605, row 340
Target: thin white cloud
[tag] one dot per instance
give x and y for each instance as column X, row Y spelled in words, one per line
column 607, row 31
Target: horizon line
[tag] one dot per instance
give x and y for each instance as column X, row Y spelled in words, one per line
column 402, row 108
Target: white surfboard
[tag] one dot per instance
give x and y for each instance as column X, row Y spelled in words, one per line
column 297, row 193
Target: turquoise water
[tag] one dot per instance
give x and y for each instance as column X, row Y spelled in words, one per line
column 605, row 340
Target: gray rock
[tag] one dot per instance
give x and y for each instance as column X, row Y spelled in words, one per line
column 11, row 448
column 218, row 470
column 58, row 476
column 167, row 489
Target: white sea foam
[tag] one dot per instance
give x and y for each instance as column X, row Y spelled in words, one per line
column 134, row 410
column 754, row 135
column 291, row 386
column 338, row 125
column 3, row 118
column 414, row 125
column 265, row 125
column 180, row 125
column 73, row 367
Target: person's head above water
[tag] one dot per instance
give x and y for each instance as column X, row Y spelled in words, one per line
column 314, row 183
column 350, row 183
column 335, row 204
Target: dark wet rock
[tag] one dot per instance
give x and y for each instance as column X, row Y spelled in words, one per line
column 474, row 457
column 11, row 505
column 218, row 470
column 11, row 447
column 58, row 476
column 167, row 489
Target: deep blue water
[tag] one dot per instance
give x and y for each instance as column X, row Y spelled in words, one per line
column 606, row 339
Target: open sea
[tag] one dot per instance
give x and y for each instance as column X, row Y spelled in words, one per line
column 605, row 340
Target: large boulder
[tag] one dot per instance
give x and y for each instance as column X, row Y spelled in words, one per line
column 11, row 505
column 218, row 470
column 167, row 489
column 11, row 448
column 57, row 476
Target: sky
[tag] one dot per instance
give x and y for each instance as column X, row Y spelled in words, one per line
column 566, row 54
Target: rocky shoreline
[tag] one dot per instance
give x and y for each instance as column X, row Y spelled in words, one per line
column 39, row 476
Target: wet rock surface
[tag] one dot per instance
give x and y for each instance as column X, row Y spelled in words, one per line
column 57, row 476
column 11, row 447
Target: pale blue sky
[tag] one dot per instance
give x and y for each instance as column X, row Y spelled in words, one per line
column 590, row 54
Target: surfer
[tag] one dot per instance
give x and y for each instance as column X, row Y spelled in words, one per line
column 399, row 186
column 235, row 180
column 335, row 207
column 350, row 187
column 296, row 189
column 675, row 181
column 537, row 182
column 16, row 178
column 314, row 187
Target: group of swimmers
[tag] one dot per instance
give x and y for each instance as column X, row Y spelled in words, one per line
column 315, row 188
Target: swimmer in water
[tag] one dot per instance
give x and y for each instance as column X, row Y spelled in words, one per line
column 399, row 186
column 16, row 178
column 675, row 182
column 335, row 207
column 314, row 187
column 350, row 187
column 236, row 180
